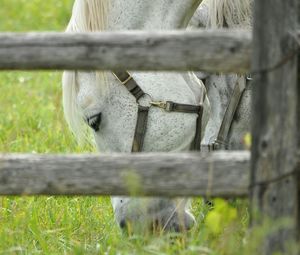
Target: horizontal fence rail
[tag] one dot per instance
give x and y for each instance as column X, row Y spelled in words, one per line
column 211, row 51
column 217, row 174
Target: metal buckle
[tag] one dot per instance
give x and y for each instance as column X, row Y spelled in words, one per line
column 249, row 77
column 126, row 80
column 162, row 104
column 219, row 145
column 215, row 146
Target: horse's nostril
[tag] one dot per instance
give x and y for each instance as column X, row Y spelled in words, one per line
column 123, row 224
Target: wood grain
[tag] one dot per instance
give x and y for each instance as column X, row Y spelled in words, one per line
column 221, row 174
column 211, row 51
column 274, row 176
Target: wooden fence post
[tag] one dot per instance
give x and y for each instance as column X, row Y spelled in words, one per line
column 274, row 175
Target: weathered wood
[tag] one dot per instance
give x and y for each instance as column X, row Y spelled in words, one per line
column 222, row 174
column 298, row 124
column 212, row 51
column 275, row 132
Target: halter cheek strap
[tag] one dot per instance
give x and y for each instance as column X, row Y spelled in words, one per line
column 230, row 111
column 221, row 141
column 142, row 115
column 140, row 128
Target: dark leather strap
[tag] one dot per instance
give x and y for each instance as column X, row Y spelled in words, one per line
column 196, row 144
column 126, row 79
column 140, row 128
column 184, row 108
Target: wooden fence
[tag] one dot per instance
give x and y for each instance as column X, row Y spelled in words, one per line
column 273, row 182
column 168, row 50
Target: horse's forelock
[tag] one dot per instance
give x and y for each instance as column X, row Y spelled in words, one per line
column 72, row 113
column 87, row 16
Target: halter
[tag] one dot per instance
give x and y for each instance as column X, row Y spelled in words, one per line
column 169, row 106
column 142, row 116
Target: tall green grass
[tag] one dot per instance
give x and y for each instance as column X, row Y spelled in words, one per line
column 31, row 121
column 34, row 15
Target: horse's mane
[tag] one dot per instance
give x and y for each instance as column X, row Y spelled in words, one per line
column 229, row 13
column 87, row 16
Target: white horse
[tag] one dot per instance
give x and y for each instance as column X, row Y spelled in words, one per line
column 111, row 110
column 234, row 14
column 87, row 94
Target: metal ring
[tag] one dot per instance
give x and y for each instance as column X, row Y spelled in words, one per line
column 148, row 104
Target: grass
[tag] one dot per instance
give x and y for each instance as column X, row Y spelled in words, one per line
column 31, row 121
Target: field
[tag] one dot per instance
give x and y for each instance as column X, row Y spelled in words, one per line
column 31, row 121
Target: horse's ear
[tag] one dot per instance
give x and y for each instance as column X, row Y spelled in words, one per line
column 88, row 16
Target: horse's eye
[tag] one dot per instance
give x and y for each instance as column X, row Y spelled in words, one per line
column 94, row 121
